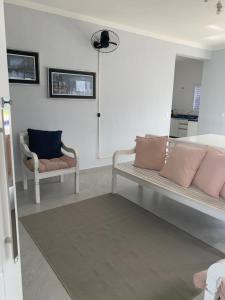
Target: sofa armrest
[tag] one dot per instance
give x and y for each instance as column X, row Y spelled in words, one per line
column 71, row 151
column 27, row 153
column 119, row 153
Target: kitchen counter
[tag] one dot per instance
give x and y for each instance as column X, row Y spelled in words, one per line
column 193, row 118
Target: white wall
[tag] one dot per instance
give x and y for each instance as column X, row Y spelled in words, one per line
column 136, row 88
column 188, row 74
column 212, row 109
column 4, row 88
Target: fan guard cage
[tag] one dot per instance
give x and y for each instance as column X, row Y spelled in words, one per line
column 112, row 37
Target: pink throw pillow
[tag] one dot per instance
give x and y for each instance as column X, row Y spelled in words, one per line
column 182, row 164
column 210, row 177
column 150, row 152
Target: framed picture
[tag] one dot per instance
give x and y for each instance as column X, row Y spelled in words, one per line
column 71, row 84
column 23, row 67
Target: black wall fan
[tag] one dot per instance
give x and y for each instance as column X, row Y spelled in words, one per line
column 105, row 41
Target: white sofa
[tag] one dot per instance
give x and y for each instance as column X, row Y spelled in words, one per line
column 191, row 196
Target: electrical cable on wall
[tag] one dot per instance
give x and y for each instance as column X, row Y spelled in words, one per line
column 103, row 41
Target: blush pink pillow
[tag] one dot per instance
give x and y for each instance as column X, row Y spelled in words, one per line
column 182, row 164
column 150, row 152
column 210, row 177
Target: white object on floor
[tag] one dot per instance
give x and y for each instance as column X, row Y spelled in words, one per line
column 191, row 197
column 25, row 153
column 215, row 274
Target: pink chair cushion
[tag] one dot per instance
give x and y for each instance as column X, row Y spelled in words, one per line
column 182, row 164
column 150, row 152
column 47, row 165
column 210, row 177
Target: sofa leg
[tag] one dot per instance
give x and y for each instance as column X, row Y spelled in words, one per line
column 37, row 192
column 114, row 183
column 77, row 182
column 140, row 192
column 25, row 182
column 62, row 178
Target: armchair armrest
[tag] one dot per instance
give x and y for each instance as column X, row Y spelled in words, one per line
column 27, row 153
column 119, row 153
column 71, row 151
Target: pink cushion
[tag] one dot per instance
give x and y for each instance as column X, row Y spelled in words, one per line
column 199, row 279
column 182, row 164
column 71, row 162
column 47, row 165
column 210, row 177
column 150, row 152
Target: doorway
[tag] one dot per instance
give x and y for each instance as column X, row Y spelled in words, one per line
column 186, row 97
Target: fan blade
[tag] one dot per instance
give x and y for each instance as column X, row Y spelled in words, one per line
column 97, row 45
column 113, row 43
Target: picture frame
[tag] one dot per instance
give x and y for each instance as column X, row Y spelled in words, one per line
column 23, row 66
column 71, row 84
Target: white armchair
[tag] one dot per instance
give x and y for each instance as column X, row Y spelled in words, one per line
column 40, row 169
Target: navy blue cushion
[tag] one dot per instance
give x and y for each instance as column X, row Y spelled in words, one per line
column 46, row 144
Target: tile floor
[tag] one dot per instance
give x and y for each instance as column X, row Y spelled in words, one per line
column 39, row 281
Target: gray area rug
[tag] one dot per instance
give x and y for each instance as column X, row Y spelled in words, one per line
column 107, row 248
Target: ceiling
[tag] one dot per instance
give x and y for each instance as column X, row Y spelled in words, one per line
column 190, row 22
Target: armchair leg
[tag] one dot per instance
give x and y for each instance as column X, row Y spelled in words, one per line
column 77, row 182
column 62, row 178
column 37, row 192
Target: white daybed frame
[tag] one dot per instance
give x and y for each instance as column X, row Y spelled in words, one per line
column 191, row 196
column 26, row 153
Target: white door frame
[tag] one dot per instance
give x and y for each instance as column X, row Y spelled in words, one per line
column 10, row 269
